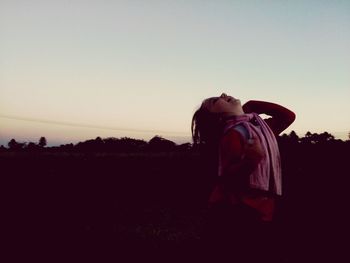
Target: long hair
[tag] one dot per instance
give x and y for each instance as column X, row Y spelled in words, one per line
column 206, row 127
column 206, row 132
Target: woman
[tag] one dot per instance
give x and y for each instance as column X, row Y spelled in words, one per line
column 245, row 153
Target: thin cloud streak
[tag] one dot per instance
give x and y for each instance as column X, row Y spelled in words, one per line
column 84, row 125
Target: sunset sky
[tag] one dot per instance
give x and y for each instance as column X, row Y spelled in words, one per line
column 74, row 70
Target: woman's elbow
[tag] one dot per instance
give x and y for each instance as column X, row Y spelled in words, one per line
column 290, row 117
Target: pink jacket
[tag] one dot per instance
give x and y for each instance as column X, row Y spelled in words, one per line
column 270, row 167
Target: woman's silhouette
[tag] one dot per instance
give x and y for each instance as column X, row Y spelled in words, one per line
column 245, row 156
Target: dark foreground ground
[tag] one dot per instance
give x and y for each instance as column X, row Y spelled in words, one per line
column 114, row 207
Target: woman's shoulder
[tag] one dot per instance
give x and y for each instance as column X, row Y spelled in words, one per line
column 232, row 141
column 236, row 135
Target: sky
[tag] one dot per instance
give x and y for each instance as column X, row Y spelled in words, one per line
column 74, row 70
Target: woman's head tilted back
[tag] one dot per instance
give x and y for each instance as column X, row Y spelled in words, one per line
column 207, row 121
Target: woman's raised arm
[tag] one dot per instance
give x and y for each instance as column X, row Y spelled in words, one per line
column 281, row 119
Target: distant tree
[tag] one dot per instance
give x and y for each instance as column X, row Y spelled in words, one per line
column 98, row 139
column 314, row 138
column 111, row 144
column 308, row 134
column 32, row 146
column 157, row 143
column 98, row 143
column 293, row 137
column 66, row 147
column 128, row 144
column 307, row 138
column 2, row 148
column 325, row 137
column 42, row 142
column 124, row 144
column 13, row 145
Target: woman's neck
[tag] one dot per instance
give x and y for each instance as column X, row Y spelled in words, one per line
column 237, row 112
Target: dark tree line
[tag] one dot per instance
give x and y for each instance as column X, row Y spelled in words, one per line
column 13, row 145
column 110, row 144
column 156, row 144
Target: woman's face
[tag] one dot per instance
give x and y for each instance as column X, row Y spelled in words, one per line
column 223, row 104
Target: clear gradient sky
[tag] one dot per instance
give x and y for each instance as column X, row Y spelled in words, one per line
column 74, row 70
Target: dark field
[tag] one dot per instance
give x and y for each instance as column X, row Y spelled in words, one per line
column 75, row 206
